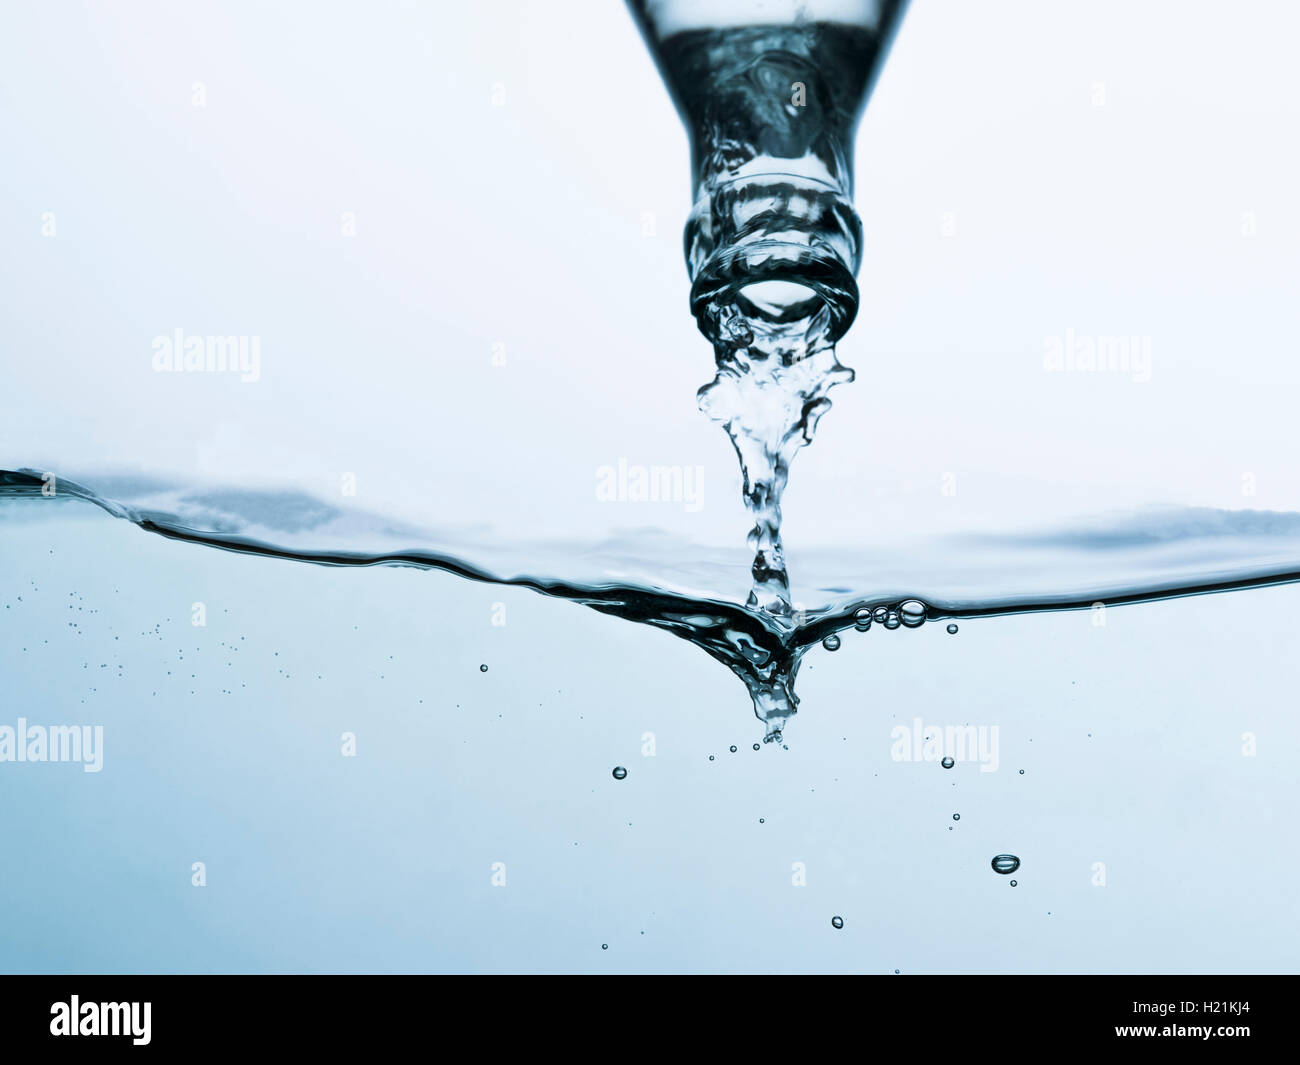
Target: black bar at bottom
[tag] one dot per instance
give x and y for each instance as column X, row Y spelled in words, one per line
column 334, row 1013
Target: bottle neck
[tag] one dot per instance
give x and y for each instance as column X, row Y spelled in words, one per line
column 770, row 94
column 773, row 242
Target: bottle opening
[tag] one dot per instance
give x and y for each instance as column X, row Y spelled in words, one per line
column 778, row 301
column 798, row 305
column 773, row 253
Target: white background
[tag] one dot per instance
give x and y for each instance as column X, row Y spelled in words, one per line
column 522, row 224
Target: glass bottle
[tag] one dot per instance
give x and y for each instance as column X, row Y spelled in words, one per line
column 771, row 92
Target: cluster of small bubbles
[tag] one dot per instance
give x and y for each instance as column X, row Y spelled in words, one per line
column 733, row 751
column 1005, row 863
column 912, row 613
column 619, row 772
column 482, row 668
column 948, row 762
column 862, row 618
column 952, row 630
column 837, row 922
column 831, row 643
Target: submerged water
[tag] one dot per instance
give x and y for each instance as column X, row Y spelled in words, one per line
column 1124, row 758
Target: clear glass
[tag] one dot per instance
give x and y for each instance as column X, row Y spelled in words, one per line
column 771, row 95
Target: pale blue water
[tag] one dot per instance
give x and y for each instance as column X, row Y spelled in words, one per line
column 222, row 745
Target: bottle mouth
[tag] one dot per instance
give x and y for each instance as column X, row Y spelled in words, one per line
column 773, row 253
column 799, row 291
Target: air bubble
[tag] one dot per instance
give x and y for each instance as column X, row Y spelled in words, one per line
column 756, row 746
column 1005, row 863
column 880, row 613
column 619, row 772
column 831, row 643
column 1013, row 883
column 482, row 669
column 733, row 748
column 948, row 763
column 837, row 922
column 862, row 618
column 912, row 613
column 952, row 630
column 956, row 817
column 891, row 620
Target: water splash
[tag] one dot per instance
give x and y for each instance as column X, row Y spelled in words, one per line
column 769, row 400
column 769, row 394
